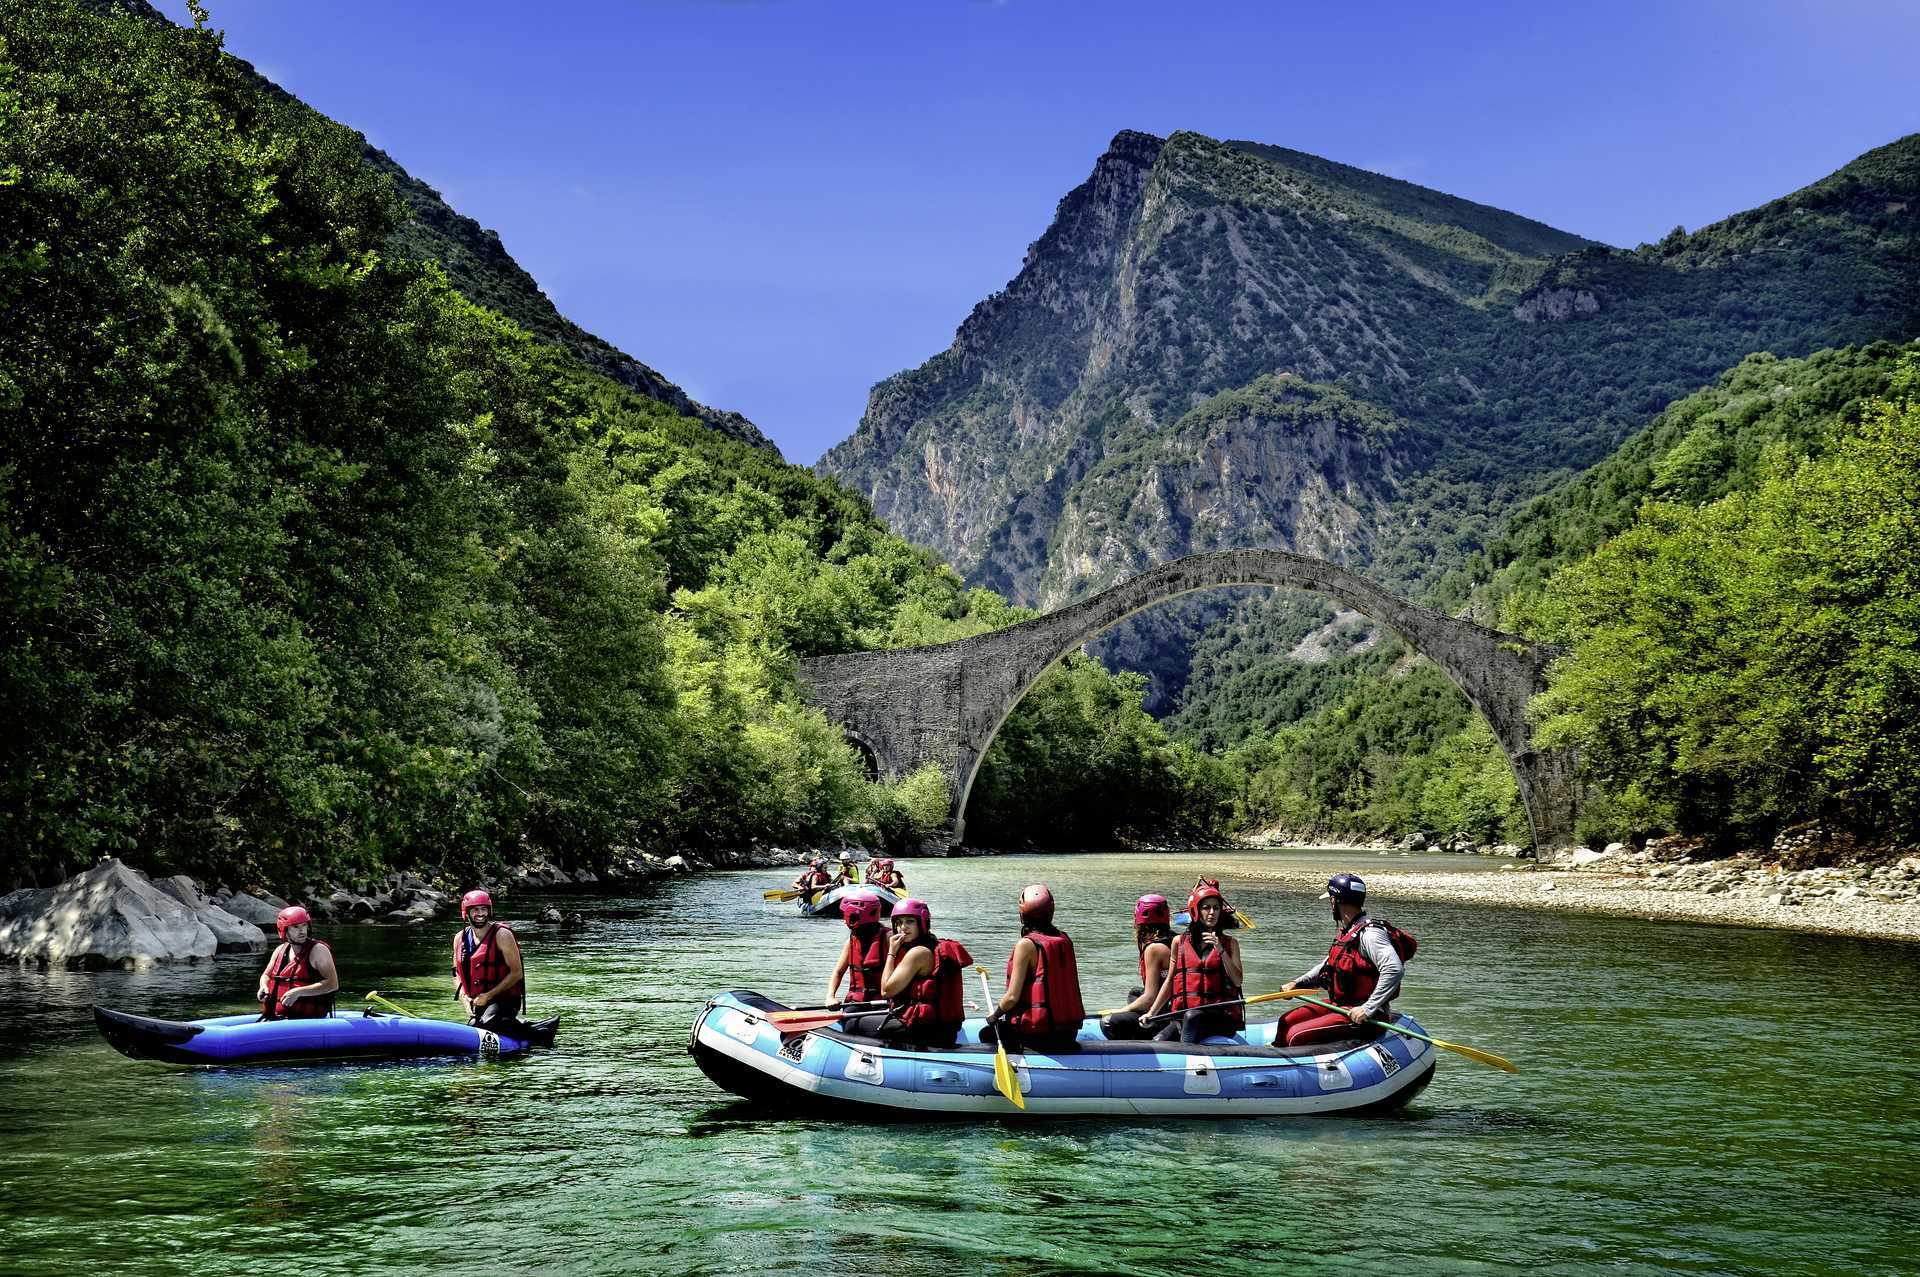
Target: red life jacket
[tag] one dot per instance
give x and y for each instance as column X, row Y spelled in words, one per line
column 482, row 965
column 1351, row 975
column 891, row 879
column 937, row 1003
column 290, row 968
column 1202, row 981
column 810, row 879
column 1051, row 1001
column 865, row 960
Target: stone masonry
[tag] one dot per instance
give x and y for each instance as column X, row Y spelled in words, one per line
column 943, row 704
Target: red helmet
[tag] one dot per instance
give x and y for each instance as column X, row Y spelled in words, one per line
column 1152, row 908
column 859, row 908
column 818, row 862
column 1036, row 905
column 473, row 898
column 291, row 916
column 917, row 909
column 1207, row 890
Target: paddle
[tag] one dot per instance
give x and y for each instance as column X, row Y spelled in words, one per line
column 798, row 1021
column 1484, row 1057
column 1004, row 1079
column 775, row 893
column 1262, row 997
column 1184, row 919
column 389, row 1005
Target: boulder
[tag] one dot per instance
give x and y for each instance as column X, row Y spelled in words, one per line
column 108, row 916
column 585, row 877
column 1587, row 856
column 252, row 909
column 574, row 921
column 678, row 864
column 231, row 934
column 550, row 914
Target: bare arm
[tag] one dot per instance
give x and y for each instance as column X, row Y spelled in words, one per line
column 1166, row 989
column 839, row 971
column 1017, row 975
column 903, row 971
column 1155, row 976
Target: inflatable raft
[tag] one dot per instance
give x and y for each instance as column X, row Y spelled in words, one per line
column 827, row 1071
column 827, row 903
column 244, row 1039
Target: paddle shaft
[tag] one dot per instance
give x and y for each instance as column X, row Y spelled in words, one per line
column 1472, row 1053
column 390, row 1005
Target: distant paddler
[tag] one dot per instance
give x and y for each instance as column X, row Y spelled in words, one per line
column 487, row 970
column 814, row 877
column 300, row 980
column 1153, row 936
column 884, row 873
column 849, row 871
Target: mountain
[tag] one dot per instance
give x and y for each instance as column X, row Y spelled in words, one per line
column 486, row 274
column 1069, row 436
column 1511, row 354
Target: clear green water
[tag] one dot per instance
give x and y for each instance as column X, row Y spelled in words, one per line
column 1694, row 1099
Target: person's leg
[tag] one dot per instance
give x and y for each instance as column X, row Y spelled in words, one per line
column 872, row 1024
column 1328, row 1026
column 1123, row 1026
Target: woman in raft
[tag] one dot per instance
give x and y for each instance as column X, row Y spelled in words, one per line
column 1153, row 936
column 1203, row 993
column 882, row 873
column 925, row 977
column 864, row 956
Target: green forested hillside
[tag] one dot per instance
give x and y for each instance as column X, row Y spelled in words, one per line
column 1733, row 583
column 313, row 566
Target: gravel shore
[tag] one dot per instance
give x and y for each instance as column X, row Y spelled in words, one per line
column 1882, row 904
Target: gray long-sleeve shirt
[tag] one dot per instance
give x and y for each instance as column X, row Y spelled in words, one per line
column 1380, row 952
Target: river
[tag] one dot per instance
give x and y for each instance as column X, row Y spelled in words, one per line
column 1693, row 1099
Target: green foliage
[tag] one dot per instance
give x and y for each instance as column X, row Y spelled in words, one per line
column 1753, row 661
column 311, row 566
column 909, row 809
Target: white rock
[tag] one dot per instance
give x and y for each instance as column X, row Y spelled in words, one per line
column 1548, row 886
column 108, row 916
column 1614, row 849
column 233, row 935
column 248, row 909
column 1586, row 855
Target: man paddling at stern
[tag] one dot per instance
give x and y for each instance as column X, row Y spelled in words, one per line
column 1361, row 972
column 300, row 979
column 486, row 967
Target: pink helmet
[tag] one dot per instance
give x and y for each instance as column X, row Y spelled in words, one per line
column 291, row 916
column 473, row 898
column 859, row 908
column 916, row 909
column 1152, row 908
column 1036, row 905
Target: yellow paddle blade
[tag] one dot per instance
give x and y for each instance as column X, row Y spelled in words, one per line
column 375, row 998
column 1005, row 1080
column 1244, row 921
column 1284, row 993
column 1484, row 1057
column 775, row 893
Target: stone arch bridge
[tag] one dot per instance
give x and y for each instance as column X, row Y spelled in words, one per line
column 943, row 704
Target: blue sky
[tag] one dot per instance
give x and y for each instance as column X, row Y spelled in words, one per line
column 778, row 204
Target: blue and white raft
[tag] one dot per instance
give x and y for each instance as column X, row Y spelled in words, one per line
column 827, row 903
column 827, row 1071
column 244, row 1039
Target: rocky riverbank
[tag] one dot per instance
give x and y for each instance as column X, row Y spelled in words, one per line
column 1666, row 879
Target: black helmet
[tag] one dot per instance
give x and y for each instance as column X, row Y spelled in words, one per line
column 1347, row 887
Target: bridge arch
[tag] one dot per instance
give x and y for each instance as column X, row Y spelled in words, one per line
column 944, row 704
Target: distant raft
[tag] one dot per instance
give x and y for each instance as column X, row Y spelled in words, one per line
column 827, row 903
column 827, row 1071
column 245, row 1039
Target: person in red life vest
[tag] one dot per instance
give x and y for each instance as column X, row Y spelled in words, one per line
column 300, row 979
column 864, row 956
column 487, row 971
column 1153, row 936
column 1203, row 989
column 925, row 976
column 814, row 877
column 1041, row 1006
column 849, row 872
column 883, row 873
column 1360, row 973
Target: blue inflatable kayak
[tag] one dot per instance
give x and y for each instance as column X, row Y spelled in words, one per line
column 244, row 1039
column 827, row 903
column 832, row 1072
